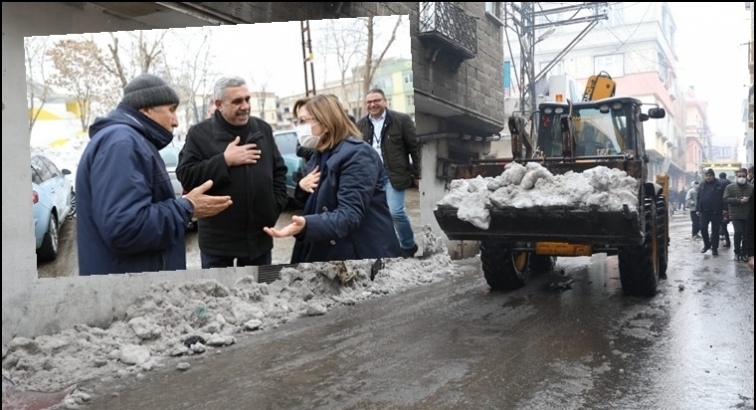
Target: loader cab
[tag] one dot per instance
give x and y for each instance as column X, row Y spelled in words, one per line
column 608, row 127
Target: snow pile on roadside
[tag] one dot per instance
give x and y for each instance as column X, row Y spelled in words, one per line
column 66, row 156
column 599, row 188
column 188, row 319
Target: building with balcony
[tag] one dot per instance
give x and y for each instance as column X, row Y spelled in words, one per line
column 748, row 109
column 457, row 52
column 642, row 64
column 698, row 135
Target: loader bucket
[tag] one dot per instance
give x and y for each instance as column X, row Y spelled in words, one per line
column 556, row 224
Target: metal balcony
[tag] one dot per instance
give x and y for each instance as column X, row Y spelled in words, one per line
column 446, row 27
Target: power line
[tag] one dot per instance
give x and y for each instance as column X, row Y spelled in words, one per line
column 642, row 20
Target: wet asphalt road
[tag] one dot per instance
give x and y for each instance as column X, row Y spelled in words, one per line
column 456, row 345
column 67, row 262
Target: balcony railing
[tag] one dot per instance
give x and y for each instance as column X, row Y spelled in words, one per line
column 448, row 26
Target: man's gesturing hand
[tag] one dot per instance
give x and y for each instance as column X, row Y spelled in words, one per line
column 206, row 205
column 236, row 154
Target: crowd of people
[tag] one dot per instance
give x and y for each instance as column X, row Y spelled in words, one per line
column 130, row 220
column 717, row 202
column 357, row 173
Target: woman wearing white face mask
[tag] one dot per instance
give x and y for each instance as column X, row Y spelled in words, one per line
column 346, row 214
column 736, row 197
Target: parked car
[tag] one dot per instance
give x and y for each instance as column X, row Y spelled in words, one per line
column 170, row 156
column 53, row 202
column 287, row 145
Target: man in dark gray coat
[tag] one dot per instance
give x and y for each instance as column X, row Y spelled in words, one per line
column 393, row 136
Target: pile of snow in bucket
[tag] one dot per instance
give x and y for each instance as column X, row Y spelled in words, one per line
column 193, row 318
column 532, row 185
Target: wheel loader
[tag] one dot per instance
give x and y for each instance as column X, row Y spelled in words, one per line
column 524, row 240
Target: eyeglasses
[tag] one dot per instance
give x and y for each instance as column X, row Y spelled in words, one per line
column 369, row 102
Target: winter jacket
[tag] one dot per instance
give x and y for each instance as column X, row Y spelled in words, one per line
column 732, row 195
column 398, row 145
column 258, row 191
column 691, row 200
column 711, row 197
column 352, row 219
column 129, row 219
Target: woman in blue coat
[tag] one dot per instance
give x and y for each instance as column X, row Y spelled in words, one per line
column 346, row 216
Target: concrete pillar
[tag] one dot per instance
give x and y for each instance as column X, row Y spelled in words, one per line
column 19, row 259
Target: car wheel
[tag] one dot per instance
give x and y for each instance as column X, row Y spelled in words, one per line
column 49, row 249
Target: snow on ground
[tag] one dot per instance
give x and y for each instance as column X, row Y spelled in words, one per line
column 190, row 319
column 526, row 186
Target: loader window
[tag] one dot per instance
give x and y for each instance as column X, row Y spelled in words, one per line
column 601, row 133
column 550, row 135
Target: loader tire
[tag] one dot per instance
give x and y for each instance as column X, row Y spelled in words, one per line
column 542, row 263
column 639, row 265
column 503, row 268
column 662, row 218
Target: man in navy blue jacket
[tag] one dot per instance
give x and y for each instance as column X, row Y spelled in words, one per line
column 710, row 208
column 128, row 217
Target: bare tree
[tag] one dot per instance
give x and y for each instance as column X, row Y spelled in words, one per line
column 78, row 71
column 373, row 61
column 191, row 69
column 37, row 89
column 133, row 53
column 350, row 41
column 345, row 40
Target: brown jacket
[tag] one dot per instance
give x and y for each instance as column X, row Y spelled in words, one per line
column 398, row 146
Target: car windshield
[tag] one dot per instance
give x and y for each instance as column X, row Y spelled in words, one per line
column 287, row 143
column 170, row 156
column 601, row 133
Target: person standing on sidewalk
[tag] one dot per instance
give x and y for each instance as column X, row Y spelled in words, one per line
column 736, row 197
column 691, row 203
column 710, row 209
column 724, row 232
column 128, row 217
column 239, row 153
column 392, row 135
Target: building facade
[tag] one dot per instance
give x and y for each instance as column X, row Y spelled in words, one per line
column 643, row 66
column 748, row 112
column 394, row 76
column 697, row 134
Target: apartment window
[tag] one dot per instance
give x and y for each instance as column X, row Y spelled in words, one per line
column 613, row 64
column 408, row 78
column 556, row 70
column 663, row 68
column 410, row 99
column 388, row 102
column 495, row 9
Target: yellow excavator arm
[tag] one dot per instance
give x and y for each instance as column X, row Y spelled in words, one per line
column 599, row 87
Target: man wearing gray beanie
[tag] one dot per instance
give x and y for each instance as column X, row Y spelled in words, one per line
column 128, row 217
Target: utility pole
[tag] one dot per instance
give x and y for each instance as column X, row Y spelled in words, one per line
column 307, row 56
column 521, row 17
